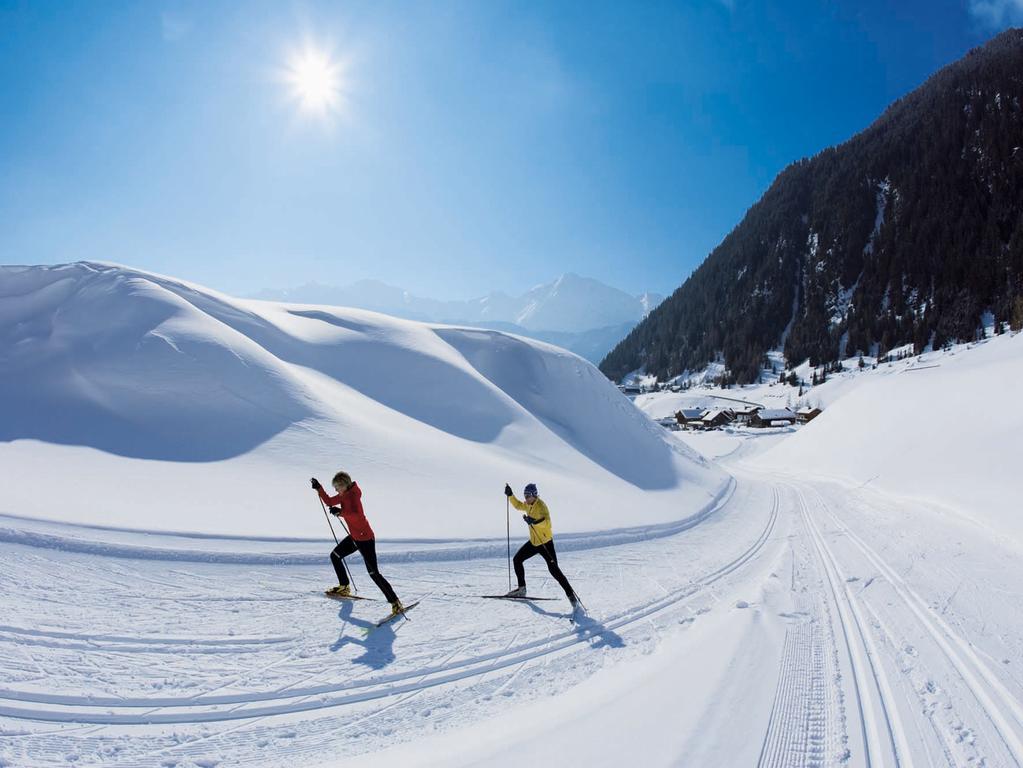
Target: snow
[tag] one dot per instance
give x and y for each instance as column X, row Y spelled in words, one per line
column 839, row 594
column 772, row 414
column 941, row 429
column 208, row 414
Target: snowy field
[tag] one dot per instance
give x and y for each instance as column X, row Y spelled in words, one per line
column 765, row 605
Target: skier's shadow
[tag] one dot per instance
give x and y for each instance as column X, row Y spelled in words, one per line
column 378, row 644
column 587, row 628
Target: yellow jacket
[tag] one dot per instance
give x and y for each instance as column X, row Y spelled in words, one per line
column 539, row 533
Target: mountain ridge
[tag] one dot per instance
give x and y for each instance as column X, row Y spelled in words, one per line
column 908, row 232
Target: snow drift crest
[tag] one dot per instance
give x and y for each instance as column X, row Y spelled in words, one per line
column 145, row 367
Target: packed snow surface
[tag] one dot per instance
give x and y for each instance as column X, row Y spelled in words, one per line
column 138, row 401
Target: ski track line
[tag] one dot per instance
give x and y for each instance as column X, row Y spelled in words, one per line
column 944, row 743
column 862, row 656
column 107, row 710
column 63, row 539
column 799, row 731
column 95, row 640
column 969, row 665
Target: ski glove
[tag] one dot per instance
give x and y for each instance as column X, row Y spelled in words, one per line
column 508, row 491
column 531, row 520
column 315, row 484
column 336, row 511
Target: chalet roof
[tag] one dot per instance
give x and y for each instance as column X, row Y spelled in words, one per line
column 711, row 415
column 808, row 409
column 775, row 414
column 691, row 414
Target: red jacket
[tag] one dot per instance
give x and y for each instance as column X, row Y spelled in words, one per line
column 350, row 502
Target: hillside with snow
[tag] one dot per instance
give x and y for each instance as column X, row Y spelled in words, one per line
column 943, row 428
column 139, row 401
column 939, row 426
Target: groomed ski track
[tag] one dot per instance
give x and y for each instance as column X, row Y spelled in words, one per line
column 876, row 651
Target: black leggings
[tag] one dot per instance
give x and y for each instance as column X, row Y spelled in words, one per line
column 368, row 550
column 546, row 551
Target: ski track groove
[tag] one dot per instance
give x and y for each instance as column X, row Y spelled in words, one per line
column 983, row 684
column 800, row 728
column 883, row 739
column 205, row 709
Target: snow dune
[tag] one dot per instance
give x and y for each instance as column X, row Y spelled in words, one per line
column 129, row 399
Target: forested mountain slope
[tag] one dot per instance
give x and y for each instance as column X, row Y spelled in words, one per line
column 908, row 232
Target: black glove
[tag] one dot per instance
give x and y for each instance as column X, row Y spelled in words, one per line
column 531, row 520
column 315, row 484
column 508, row 491
column 336, row 511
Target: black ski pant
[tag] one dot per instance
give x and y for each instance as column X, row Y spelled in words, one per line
column 368, row 550
column 546, row 551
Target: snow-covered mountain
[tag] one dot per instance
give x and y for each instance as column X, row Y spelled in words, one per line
column 579, row 313
column 109, row 372
column 575, row 304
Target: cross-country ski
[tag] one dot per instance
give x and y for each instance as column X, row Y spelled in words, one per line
column 396, row 615
column 333, row 596
column 517, row 597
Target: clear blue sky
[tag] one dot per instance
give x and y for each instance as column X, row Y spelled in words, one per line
column 477, row 146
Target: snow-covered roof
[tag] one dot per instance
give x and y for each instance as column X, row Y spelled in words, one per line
column 775, row 413
column 711, row 415
column 808, row 409
column 692, row 413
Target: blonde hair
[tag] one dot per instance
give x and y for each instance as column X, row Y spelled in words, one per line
column 342, row 477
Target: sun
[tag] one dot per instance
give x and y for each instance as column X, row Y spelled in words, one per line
column 316, row 81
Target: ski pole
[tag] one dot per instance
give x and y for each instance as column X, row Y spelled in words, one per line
column 327, row 517
column 507, row 525
column 343, row 563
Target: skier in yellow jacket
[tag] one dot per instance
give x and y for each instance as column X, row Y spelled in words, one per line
column 541, row 541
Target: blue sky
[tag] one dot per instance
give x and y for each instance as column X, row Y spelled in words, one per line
column 475, row 146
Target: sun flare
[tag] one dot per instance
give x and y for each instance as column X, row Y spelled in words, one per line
column 316, row 81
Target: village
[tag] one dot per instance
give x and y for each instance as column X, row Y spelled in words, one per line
column 749, row 415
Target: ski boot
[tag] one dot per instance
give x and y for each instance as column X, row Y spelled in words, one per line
column 340, row 591
column 397, row 608
column 517, row 592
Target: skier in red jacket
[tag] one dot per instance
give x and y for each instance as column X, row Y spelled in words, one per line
column 347, row 505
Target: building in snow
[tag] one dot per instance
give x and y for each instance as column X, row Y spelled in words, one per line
column 773, row 417
column 803, row 415
column 690, row 418
column 744, row 413
column 717, row 418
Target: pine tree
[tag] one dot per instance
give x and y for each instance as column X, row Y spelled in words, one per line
column 1016, row 319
